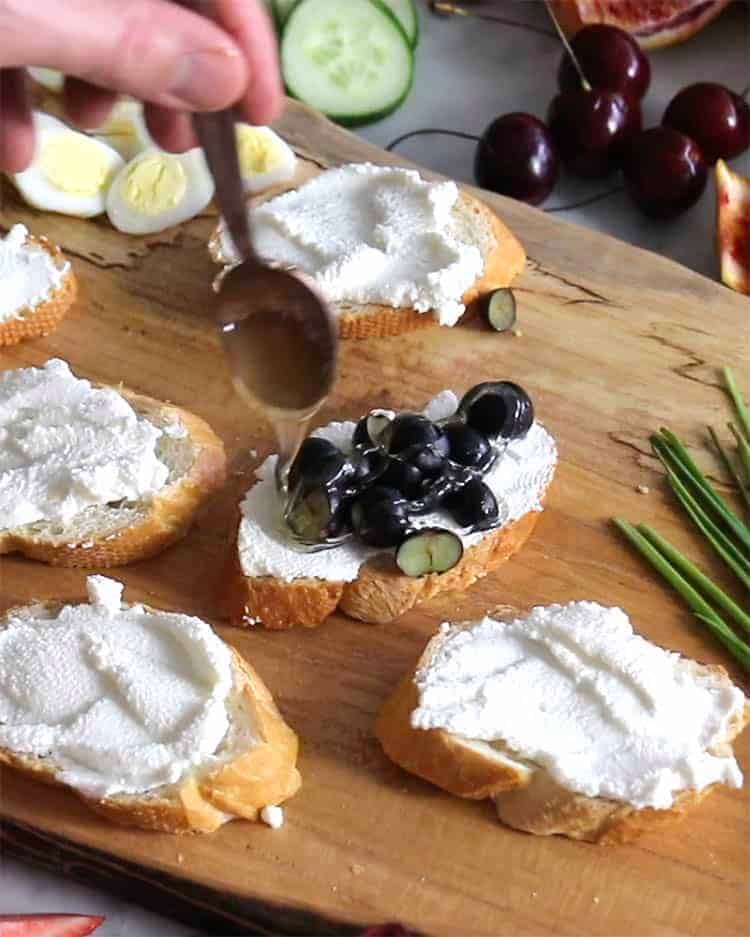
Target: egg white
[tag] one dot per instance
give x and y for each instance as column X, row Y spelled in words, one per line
column 39, row 191
column 125, row 129
column 280, row 157
column 198, row 193
column 48, row 78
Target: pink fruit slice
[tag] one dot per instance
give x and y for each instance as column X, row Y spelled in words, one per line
column 654, row 23
column 48, row 925
column 733, row 227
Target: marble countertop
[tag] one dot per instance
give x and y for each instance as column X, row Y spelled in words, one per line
column 468, row 73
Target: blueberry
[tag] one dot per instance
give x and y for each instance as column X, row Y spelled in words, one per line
column 370, row 467
column 430, row 459
column 411, row 429
column 429, row 550
column 403, row 476
column 380, row 517
column 317, row 513
column 467, row 445
column 498, row 408
column 318, row 462
column 473, row 506
column 369, row 431
column 361, row 437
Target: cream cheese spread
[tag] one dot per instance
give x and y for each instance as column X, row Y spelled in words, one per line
column 518, row 480
column 371, row 234
column 65, row 445
column 119, row 699
column 572, row 689
column 28, row 273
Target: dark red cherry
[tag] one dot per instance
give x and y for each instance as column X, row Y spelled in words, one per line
column 715, row 117
column 610, row 59
column 592, row 128
column 665, row 172
column 516, row 157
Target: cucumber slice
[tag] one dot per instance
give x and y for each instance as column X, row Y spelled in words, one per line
column 282, row 9
column 350, row 59
column 405, row 12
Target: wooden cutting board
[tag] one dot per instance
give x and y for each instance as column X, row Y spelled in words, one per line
column 615, row 343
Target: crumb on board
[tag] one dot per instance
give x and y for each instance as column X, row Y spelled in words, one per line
column 517, row 332
column 356, row 868
column 642, row 489
column 180, row 858
column 595, row 899
column 273, row 816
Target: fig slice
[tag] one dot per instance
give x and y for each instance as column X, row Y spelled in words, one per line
column 654, row 23
column 733, row 227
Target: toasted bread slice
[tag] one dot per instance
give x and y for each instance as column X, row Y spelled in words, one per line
column 268, row 582
column 35, row 321
column 526, row 796
column 117, row 534
column 249, row 777
column 504, row 258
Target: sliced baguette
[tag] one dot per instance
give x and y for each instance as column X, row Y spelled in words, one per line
column 380, row 594
column 504, row 258
column 250, row 777
column 35, row 321
column 117, row 534
column 526, row 796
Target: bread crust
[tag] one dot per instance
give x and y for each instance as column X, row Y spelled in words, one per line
column 35, row 321
column 265, row 774
column 526, row 797
column 501, row 265
column 379, row 594
column 170, row 512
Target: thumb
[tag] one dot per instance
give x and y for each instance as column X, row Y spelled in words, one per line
column 153, row 50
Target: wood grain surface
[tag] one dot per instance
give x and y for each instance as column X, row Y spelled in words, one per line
column 615, row 343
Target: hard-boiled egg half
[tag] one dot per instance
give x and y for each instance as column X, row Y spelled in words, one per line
column 125, row 129
column 157, row 190
column 70, row 173
column 265, row 159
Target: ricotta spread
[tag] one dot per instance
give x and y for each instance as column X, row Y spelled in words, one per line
column 518, row 480
column 28, row 274
column 572, row 689
column 65, row 445
column 119, row 699
column 371, row 234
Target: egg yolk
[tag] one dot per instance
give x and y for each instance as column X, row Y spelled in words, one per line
column 73, row 163
column 256, row 150
column 155, row 184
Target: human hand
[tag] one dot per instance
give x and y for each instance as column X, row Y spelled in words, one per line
column 163, row 54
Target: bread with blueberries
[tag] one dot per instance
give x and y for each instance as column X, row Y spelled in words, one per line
column 388, row 512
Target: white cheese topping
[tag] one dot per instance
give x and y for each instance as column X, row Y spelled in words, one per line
column 120, row 700
column 572, row 689
column 371, row 234
column 65, row 445
column 28, row 274
column 518, row 480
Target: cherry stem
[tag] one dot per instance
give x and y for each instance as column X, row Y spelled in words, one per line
column 587, row 201
column 564, row 39
column 451, row 9
column 432, row 130
column 744, row 93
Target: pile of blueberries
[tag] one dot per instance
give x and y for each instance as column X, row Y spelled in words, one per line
column 402, row 466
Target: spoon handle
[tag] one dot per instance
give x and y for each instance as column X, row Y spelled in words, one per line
column 216, row 135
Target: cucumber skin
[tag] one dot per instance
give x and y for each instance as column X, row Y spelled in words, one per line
column 359, row 120
column 413, row 40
